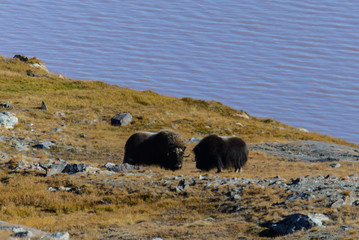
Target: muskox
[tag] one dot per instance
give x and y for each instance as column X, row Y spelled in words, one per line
column 165, row 149
column 221, row 152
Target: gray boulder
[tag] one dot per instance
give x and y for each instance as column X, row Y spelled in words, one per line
column 44, row 145
column 75, row 168
column 44, row 106
column 121, row 119
column 6, row 105
column 22, row 58
column 294, row 223
column 55, row 169
column 120, row 167
column 8, row 120
column 19, row 231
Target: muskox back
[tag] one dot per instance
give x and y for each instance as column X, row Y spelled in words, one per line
column 221, row 152
column 165, row 149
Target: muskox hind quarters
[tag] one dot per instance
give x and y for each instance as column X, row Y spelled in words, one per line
column 219, row 152
column 164, row 148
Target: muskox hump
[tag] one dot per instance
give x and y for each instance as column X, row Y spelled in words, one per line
column 134, row 146
column 165, row 149
column 221, row 152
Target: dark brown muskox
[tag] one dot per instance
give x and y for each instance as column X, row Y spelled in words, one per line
column 165, row 149
column 221, row 152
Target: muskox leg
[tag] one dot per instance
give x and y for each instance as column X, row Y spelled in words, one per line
column 219, row 165
column 238, row 170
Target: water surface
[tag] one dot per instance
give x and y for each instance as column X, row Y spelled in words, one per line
column 295, row 61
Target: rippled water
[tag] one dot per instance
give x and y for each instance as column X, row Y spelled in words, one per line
column 295, row 61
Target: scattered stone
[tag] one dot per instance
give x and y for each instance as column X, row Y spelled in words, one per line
column 58, row 235
column 347, row 201
column 52, row 189
column 182, row 185
column 6, row 105
column 239, row 124
column 75, row 168
column 42, row 66
column 121, row 119
column 26, row 165
column 44, row 145
column 8, row 120
column 55, row 169
column 299, row 196
column 120, row 167
column 22, row 58
column 44, row 106
column 23, row 232
column 335, row 165
column 194, row 140
column 241, row 115
column 303, row 130
column 57, row 130
column 294, row 223
column 59, row 114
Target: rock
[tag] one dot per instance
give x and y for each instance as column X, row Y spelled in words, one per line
column 303, row 130
column 8, row 120
column 42, row 66
column 75, row 168
column 121, row 119
column 120, row 167
column 23, row 232
column 335, row 165
column 22, row 58
column 43, row 106
column 182, row 184
column 347, row 201
column 58, row 235
column 57, row 130
column 44, row 145
column 241, row 115
column 299, row 196
column 194, row 140
column 294, row 223
column 59, row 114
column 55, row 169
column 6, row 105
column 52, row 189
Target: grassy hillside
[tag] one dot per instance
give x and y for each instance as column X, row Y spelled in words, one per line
column 82, row 110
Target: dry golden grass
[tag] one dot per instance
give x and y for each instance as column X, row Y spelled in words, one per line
column 135, row 211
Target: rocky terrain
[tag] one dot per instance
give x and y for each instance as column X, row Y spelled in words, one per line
column 312, row 193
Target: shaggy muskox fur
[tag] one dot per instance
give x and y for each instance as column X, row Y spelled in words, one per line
column 165, row 149
column 221, row 152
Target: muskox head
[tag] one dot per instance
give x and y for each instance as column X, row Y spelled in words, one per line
column 175, row 157
column 221, row 152
column 174, row 151
column 165, row 148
